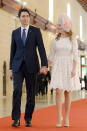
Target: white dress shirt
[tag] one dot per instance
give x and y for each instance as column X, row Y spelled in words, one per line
column 27, row 28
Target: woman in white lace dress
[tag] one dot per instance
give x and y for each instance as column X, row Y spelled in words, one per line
column 64, row 56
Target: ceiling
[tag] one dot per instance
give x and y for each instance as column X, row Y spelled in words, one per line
column 83, row 4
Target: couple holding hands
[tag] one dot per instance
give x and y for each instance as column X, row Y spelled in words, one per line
column 24, row 64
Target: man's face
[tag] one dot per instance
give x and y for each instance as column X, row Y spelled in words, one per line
column 24, row 19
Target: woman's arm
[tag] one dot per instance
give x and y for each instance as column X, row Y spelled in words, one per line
column 51, row 54
column 75, row 57
column 49, row 63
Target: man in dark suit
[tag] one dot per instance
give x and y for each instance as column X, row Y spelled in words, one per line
column 24, row 63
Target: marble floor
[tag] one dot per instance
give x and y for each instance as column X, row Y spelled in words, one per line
column 41, row 101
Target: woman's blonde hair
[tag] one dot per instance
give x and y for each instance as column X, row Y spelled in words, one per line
column 69, row 34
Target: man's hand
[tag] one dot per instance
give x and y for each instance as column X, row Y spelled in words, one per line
column 11, row 74
column 43, row 70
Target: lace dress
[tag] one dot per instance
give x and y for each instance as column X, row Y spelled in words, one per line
column 62, row 54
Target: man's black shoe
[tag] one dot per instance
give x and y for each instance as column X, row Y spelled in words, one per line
column 28, row 123
column 16, row 123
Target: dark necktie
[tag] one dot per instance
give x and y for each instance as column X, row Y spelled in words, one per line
column 24, row 36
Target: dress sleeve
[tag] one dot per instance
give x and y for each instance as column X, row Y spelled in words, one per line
column 52, row 51
column 75, row 49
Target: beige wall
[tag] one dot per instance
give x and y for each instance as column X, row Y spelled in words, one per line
column 8, row 23
column 6, row 26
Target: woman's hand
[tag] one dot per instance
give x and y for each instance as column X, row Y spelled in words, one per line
column 73, row 73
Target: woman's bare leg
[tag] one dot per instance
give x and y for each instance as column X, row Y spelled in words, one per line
column 67, row 106
column 59, row 104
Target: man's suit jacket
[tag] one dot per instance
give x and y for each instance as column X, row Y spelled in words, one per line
column 28, row 53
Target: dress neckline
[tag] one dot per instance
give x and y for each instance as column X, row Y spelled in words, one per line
column 64, row 37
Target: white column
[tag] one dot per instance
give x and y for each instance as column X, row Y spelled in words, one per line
column 50, row 10
column 81, row 27
column 68, row 10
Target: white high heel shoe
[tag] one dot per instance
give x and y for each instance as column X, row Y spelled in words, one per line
column 66, row 124
column 59, row 124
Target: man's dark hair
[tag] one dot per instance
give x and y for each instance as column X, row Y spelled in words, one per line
column 23, row 10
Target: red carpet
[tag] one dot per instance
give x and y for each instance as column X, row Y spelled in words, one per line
column 45, row 119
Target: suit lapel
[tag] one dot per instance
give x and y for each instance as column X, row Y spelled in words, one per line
column 28, row 35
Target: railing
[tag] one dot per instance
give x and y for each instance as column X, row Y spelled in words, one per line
column 13, row 7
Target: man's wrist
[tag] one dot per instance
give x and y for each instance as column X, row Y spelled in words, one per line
column 43, row 66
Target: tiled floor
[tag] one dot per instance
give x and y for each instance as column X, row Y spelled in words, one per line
column 41, row 101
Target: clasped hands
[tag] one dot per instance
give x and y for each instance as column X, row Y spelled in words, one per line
column 43, row 70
